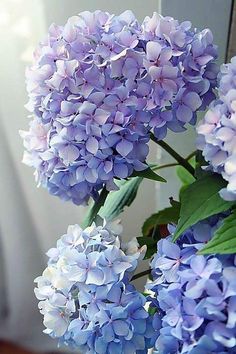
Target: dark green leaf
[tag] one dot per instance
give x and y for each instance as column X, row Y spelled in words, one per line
column 224, row 240
column 174, row 203
column 200, row 200
column 165, row 216
column 200, row 163
column 151, row 246
column 116, row 201
column 93, row 211
column 149, row 174
column 200, row 159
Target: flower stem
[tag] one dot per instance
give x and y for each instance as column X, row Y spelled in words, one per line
column 90, row 217
column 141, row 274
column 191, row 155
column 183, row 162
column 165, row 166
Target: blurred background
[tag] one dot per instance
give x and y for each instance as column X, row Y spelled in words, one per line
column 30, row 219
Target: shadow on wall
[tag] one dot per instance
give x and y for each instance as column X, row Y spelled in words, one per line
column 9, row 348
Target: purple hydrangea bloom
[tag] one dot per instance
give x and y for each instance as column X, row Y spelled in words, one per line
column 217, row 131
column 180, row 63
column 227, row 77
column 85, row 295
column 194, row 295
column 97, row 87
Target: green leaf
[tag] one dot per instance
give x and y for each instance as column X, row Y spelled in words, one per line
column 224, row 240
column 165, row 216
column 174, row 203
column 185, row 177
column 118, row 200
column 151, row 245
column 200, row 200
column 93, row 211
column 149, row 174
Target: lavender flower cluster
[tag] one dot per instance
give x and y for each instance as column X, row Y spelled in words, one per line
column 98, row 86
column 85, row 294
column 194, row 295
column 217, row 131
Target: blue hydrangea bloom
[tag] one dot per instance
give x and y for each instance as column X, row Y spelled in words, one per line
column 85, row 295
column 99, row 84
column 217, row 131
column 194, row 295
column 227, row 77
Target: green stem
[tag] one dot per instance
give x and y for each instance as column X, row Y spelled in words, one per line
column 165, row 166
column 191, row 155
column 141, row 274
column 90, row 217
column 174, row 154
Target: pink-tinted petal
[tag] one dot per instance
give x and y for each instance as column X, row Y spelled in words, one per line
column 101, row 116
column 153, row 50
column 92, row 145
column 69, row 153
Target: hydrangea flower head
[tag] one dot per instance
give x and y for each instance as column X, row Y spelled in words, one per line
column 99, row 84
column 217, row 131
column 227, row 77
column 85, row 295
column 194, row 295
